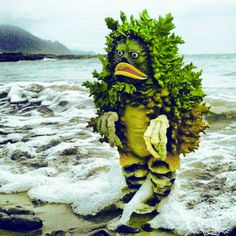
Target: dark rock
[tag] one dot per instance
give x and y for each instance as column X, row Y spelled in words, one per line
column 56, row 233
column 3, row 210
column 32, row 105
column 147, row 227
column 52, row 143
column 45, row 111
column 5, row 57
column 125, row 229
column 101, row 232
column 63, row 103
column 3, row 94
column 19, row 155
column 35, row 163
column 230, row 233
column 37, row 88
column 37, row 202
column 19, row 210
column 69, row 151
column 6, row 141
column 2, row 132
column 20, row 223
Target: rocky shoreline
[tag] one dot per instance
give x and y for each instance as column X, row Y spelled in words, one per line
column 14, row 57
column 37, row 218
column 33, row 217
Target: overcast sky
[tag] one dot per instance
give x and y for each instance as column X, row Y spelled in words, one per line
column 207, row 26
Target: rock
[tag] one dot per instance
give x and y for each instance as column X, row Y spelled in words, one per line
column 230, row 233
column 20, row 223
column 19, row 56
column 35, row 163
column 63, row 103
column 37, row 202
column 51, row 144
column 45, row 111
column 3, row 94
column 125, row 229
column 30, row 106
column 19, row 155
column 100, row 233
column 147, row 227
column 69, row 151
column 3, row 210
column 3, row 132
column 6, row 141
column 56, row 233
column 18, row 210
column 36, row 88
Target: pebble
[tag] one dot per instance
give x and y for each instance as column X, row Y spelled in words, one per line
column 19, row 155
column 56, row 233
column 100, row 233
column 125, row 229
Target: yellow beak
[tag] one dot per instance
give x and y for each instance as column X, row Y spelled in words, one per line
column 130, row 71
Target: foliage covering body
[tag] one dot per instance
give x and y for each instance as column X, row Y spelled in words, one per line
column 172, row 88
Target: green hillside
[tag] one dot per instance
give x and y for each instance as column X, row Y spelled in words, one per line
column 16, row 39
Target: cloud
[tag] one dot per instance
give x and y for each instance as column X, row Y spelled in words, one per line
column 206, row 26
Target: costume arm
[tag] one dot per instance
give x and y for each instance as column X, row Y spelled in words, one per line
column 106, row 126
column 155, row 137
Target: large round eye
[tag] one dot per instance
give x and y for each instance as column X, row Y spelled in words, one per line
column 120, row 53
column 134, row 55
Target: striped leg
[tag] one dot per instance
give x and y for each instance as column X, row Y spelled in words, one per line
column 162, row 178
column 162, row 175
column 135, row 170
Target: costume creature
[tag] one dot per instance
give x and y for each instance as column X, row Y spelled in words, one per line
column 149, row 105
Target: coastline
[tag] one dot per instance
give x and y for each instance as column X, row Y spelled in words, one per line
column 56, row 217
column 14, row 57
column 60, row 218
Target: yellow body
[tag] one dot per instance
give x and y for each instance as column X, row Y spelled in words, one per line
column 136, row 121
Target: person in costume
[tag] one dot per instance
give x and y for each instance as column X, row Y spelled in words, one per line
column 149, row 105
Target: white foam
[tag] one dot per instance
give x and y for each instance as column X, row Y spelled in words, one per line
column 16, row 94
column 203, row 199
column 89, row 179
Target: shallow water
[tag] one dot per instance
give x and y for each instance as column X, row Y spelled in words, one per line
column 47, row 151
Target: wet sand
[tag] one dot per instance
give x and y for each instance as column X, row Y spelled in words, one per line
column 55, row 216
column 61, row 217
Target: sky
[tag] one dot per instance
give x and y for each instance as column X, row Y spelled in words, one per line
column 207, row 26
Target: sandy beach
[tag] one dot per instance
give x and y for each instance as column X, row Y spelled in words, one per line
column 60, row 217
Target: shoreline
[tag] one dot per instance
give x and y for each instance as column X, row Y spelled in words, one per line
column 56, row 217
column 60, row 217
column 14, row 57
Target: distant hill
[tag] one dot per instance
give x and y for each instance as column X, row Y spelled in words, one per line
column 16, row 39
column 81, row 52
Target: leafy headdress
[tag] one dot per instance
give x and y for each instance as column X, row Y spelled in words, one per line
column 172, row 88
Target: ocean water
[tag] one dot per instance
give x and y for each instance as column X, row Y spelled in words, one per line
column 47, row 151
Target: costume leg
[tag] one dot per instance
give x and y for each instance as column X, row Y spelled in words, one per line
column 135, row 170
column 139, row 187
column 162, row 178
column 162, row 175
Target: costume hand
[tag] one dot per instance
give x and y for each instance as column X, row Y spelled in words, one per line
column 155, row 137
column 106, row 126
